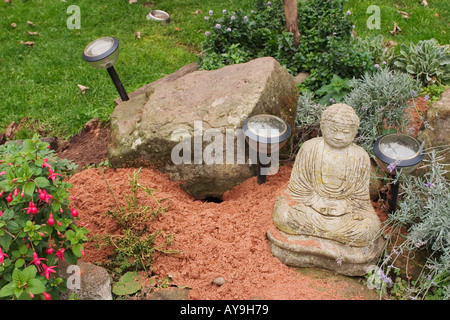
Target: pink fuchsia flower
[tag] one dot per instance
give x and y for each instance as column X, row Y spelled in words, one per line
column 52, row 174
column 60, row 254
column 2, row 173
column 9, row 197
column 37, row 261
column 44, row 196
column 46, row 296
column 2, row 256
column 32, row 208
column 45, row 164
column 49, row 251
column 48, row 271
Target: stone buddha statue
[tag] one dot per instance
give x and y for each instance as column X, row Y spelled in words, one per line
column 327, row 199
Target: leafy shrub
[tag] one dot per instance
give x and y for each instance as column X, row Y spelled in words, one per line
column 380, row 99
column 335, row 91
column 237, row 37
column 37, row 225
column 326, row 46
column 423, row 212
column 426, row 61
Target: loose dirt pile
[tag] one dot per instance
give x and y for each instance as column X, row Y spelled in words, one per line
column 226, row 239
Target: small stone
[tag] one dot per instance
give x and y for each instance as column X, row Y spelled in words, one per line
column 219, row 281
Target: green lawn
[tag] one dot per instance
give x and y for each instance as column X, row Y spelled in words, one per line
column 40, row 82
column 424, row 22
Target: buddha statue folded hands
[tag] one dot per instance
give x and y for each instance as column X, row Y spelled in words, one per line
column 328, row 192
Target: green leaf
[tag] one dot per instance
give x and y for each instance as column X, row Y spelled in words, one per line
column 42, row 182
column 28, row 188
column 28, row 145
column 5, row 241
column 13, row 226
column 18, row 277
column 29, row 272
column 76, row 248
column 35, row 286
column 19, row 263
column 129, row 283
column 7, row 290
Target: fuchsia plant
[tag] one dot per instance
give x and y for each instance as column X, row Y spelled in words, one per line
column 38, row 228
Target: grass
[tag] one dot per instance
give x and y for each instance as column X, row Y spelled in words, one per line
column 40, row 82
column 424, row 22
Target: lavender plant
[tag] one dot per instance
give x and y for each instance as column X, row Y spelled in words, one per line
column 380, row 98
column 424, row 213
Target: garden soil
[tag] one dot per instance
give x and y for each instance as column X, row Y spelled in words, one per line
column 211, row 240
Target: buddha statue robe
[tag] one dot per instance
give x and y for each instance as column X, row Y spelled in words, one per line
column 328, row 195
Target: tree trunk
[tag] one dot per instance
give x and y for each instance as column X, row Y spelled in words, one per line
column 291, row 14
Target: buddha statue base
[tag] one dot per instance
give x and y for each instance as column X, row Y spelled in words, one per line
column 310, row 251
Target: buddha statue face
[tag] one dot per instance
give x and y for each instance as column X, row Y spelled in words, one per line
column 339, row 125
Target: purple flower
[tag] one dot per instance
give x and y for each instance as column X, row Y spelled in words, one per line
column 206, row 18
column 429, row 184
column 229, row 29
column 245, row 18
column 348, row 12
column 224, row 11
column 376, row 66
column 331, row 100
column 218, row 26
column 353, row 26
column 269, row 3
column 210, row 12
column 426, row 98
column 364, row 108
column 391, row 167
column 207, row 33
column 233, row 18
column 384, row 63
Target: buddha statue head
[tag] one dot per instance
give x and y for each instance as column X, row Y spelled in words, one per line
column 339, row 125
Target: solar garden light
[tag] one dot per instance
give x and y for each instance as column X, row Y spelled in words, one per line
column 103, row 54
column 398, row 151
column 266, row 134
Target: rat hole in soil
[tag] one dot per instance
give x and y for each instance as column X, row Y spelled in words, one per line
column 213, row 199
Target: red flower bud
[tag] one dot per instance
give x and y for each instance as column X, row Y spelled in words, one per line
column 50, row 220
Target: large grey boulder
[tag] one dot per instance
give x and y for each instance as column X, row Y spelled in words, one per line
column 436, row 132
column 148, row 127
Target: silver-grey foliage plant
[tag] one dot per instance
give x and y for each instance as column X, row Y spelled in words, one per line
column 380, row 100
column 426, row 61
column 424, row 212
